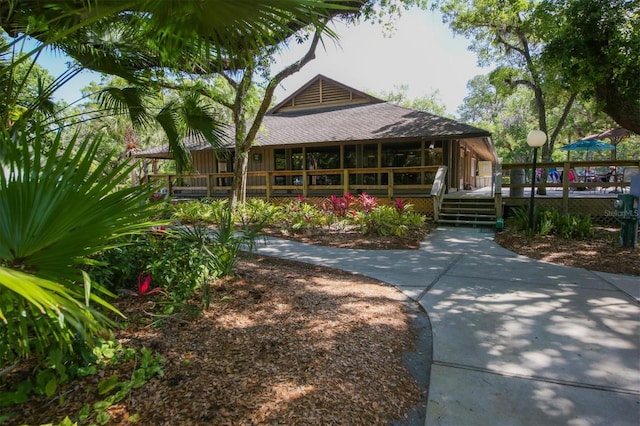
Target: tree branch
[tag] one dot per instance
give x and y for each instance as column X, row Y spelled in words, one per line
column 277, row 79
column 565, row 114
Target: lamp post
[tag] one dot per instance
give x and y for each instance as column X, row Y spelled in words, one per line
column 535, row 139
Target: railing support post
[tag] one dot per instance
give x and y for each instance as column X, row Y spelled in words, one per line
column 345, row 181
column 269, row 189
column 565, row 187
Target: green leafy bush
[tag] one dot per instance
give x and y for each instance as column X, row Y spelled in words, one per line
column 387, row 220
column 551, row 222
column 58, row 206
column 180, row 259
column 301, row 216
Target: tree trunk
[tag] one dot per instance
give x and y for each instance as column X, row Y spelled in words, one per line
column 624, row 110
column 239, row 186
column 244, row 138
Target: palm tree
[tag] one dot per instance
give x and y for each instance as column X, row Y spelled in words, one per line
column 56, row 206
column 56, row 210
column 145, row 41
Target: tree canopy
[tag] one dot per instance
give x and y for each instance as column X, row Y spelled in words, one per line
column 595, row 45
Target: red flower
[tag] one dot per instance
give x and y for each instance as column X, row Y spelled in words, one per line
column 144, row 285
column 399, row 204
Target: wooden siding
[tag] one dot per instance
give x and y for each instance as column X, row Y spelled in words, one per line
column 322, row 93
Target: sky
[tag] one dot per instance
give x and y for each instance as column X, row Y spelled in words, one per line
column 421, row 53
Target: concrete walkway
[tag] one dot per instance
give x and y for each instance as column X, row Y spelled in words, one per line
column 515, row 341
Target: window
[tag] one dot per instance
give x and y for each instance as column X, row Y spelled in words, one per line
column 404, row 155
column 323, row 158
column 370, row 156
column 350, row 157
column 280, row 159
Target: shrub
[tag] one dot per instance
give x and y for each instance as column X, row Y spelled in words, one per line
column 551, row 222
column 388, row 220
column 299, row 216
column 180, row 259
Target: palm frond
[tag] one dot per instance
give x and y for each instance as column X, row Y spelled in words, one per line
column 168, row 118
column 129, row 101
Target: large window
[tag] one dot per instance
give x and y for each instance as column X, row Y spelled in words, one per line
column 288, row 159
column 370, row 155
column 350, row 157
column 280, row 159
column 405, row 155
column 323, row 158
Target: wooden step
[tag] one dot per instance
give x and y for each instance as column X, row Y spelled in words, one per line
column 468, row 211
column 467, row 222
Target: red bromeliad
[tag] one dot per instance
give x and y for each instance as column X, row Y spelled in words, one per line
column 399, row 204
column 144, row 287
column 368, row 202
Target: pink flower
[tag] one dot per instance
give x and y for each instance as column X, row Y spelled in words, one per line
column 144, row 287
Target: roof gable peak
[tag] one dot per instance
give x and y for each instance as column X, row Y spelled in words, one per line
column 323, row 92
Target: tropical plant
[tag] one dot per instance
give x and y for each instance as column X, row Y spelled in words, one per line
column 128, row 39
column 56, row 210
column 398, row 220
column 551, row 222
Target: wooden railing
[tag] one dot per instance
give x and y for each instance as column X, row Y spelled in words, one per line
column 304, row 182
column 619, row 182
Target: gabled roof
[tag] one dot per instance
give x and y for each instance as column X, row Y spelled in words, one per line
column 360, row 123
column 323, row 92
column 324, row 110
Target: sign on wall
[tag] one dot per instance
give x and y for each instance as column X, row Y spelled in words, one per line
column 484, row 168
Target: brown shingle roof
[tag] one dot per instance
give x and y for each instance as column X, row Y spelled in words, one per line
column 358, row 123
column 349, row 123
column 305, row 117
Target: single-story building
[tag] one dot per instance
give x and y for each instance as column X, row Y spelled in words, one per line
column 329, row 138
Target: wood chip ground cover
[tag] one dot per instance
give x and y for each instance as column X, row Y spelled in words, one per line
column 282, row 343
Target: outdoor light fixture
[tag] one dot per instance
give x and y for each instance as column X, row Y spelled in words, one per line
column 535, row 139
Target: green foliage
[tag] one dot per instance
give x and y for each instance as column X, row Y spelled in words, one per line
column 431, row 102
column 255, row 212
column 387, row 220
column 105, row 354
column 594, row 46
column 551, row 222
column 56, row 210
column 360, row 213
column 194, row 212
column 182, row 259
column 300, row 216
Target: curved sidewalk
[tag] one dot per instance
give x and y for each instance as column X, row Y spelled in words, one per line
column 515, row 341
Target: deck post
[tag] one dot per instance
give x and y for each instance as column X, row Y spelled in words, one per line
column 305, row 184
column 565, row 187
column 169, row 190
column 345, row 181
column 390, row 185
column 268, row 185
column 209, row 180
column 497, row 192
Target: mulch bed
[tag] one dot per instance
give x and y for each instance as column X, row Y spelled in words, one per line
column 281, row 343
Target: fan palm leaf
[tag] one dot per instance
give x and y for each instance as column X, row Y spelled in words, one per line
column 55, row 211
